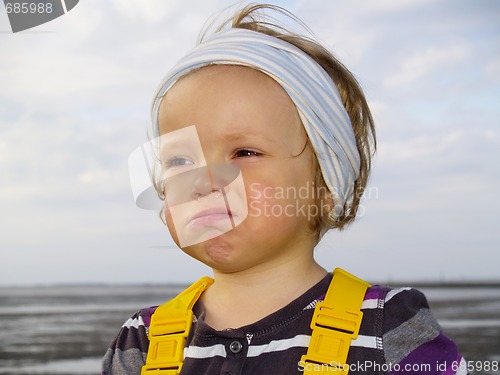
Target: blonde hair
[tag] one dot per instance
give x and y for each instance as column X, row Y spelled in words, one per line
column 256, row 18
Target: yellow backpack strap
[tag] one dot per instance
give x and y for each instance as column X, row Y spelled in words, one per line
column 169, row 328
column 335, row 324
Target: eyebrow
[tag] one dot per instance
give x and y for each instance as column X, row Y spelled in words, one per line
column 235, row 137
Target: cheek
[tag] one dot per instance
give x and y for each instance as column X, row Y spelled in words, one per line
column 268, row 202
column 259, row 192
column 292, row 202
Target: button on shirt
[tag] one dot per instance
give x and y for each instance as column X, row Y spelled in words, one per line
column 275, row 344
column 235, row 347
column 258, row 348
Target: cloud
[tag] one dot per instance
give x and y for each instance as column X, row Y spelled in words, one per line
column 150, row 12
column 424, row 63
column 74, row 103
column 492, row 70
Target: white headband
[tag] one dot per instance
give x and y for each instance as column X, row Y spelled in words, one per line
column 311, row 89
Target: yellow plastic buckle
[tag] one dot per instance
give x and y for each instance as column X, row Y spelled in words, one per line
column 167, row 339
column 168, row 331
column 347, row 321
column 165, row 354
column 336, row 322
column 327, row 344
column 170, row 325
column 331, row 338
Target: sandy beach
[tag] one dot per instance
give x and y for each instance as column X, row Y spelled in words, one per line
column 66, row 330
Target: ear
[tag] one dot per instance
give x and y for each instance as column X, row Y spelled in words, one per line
column 161, row 188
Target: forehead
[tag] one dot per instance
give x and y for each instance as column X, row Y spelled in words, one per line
column 228, row 96
column 228, row 75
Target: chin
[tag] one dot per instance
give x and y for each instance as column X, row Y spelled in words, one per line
column 215, row 253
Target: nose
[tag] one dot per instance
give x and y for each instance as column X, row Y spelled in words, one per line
column 199, row 182
column 213, row 178
column 203, row 183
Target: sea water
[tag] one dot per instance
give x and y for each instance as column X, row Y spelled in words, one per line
column 65, row 330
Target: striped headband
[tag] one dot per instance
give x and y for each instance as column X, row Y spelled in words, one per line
column 313, row 92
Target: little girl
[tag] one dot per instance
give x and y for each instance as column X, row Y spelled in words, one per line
column 265, row 142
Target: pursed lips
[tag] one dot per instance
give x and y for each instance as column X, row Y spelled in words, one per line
column 211, row 216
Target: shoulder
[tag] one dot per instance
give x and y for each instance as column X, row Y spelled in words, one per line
column 127, row 352
column 133, row 333
column 411, row 336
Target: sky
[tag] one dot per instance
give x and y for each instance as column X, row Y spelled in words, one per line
column 74, row 103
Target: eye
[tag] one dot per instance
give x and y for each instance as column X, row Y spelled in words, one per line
column 246, row 153
column 178, row 161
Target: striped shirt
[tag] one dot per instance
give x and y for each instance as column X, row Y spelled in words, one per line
column 398, row 335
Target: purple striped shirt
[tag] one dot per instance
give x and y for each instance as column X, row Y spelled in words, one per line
column 398, row 335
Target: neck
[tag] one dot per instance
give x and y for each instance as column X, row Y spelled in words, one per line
column 241, row 298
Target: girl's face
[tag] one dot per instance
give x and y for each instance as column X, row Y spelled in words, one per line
column 237, row 119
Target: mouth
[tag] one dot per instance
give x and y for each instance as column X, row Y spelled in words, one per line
column 212, row 216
